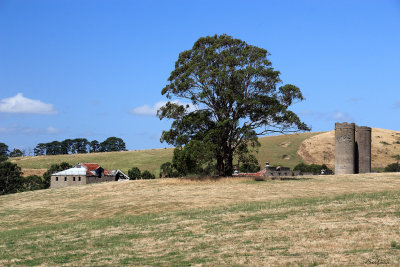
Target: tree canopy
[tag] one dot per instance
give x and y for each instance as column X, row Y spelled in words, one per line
column 235, row 92
column 79, row 146
column 54, row 168
column 3, row 152
column 10, row 178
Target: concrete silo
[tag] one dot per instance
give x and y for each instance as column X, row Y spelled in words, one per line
column 345, row 148
column 363, row 149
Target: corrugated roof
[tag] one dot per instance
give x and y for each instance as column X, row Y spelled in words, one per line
column 72, row 171
column 90, row 166
column 88, row 169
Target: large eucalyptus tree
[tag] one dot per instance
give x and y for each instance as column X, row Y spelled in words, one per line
column 233, row 88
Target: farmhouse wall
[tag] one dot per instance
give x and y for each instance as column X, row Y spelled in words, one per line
column 95, row 179
column 57, row 181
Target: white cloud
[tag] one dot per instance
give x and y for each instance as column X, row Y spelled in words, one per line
column 342, row 117
column 147, row 110
column 22, row 105
column 16, row 129
column 52, row 130
column 329, row 116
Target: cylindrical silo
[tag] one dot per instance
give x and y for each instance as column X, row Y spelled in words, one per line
column 363, row 145
column 344, row 148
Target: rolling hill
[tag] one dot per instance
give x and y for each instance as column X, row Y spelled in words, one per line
column 285, row 150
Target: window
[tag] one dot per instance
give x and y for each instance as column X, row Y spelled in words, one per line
column 65, row 178
column 56, row 178
column 73, row 179
column 79, row 178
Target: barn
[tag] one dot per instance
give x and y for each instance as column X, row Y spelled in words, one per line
column 85, row 173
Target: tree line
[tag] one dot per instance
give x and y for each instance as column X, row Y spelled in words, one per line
column 79, row 146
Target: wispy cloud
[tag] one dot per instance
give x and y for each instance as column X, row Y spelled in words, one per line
column 147, row 110
column 16, row 129
column 22, row 105
column 341, row 116
column 354, row 100
column 335, row 116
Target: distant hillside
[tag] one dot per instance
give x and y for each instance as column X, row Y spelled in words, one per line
column 321, row 148
column 285, row 150
column 278, row 150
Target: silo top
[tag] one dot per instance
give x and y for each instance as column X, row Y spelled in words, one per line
column 363, row 128
column 344, row 125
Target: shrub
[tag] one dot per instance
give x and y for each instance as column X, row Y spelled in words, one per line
column 394, row 167
column 134, row 173
column 396, row 157
column 249, row 164
column 32, row 182
column 148, row 175
column 166, row 170
column 313, row 168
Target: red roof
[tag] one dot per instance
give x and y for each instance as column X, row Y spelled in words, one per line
column 90, row 166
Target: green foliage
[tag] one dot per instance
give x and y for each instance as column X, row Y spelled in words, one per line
column 32, row 182
column 234, row 89
column 184, row 161
column 3, row 149
column 3, row 152
column 134, row 173
column 394, row 167
column 16, row 153
column 10, row 178
column 112, row 144
column 313, row 168
column 249, row 164
column 53, row 169
column 396, row 157
column 394, row 245
column 148, row 175
column 167, row 170
column 79, row 146
column 94, row 146
column 3, row 158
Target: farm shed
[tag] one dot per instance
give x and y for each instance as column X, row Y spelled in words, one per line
column 85, row 173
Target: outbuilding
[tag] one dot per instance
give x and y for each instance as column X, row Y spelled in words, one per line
column 85, row 173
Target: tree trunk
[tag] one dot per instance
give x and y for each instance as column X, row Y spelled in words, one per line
column 220, row 166
column 229, row 164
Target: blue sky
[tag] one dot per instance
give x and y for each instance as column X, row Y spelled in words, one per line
column 95, row 69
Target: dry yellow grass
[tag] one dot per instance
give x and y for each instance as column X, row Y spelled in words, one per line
column 152, row 196
column 225, row 222
column 28, row 172
column 320, row 148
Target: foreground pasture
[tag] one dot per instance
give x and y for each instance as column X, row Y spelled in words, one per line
column 333, row 220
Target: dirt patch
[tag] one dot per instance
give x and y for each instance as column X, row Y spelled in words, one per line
column 285, row 144
column 320, row 148
column 28, row 172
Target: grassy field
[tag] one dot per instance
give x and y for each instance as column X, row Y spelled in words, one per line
column 348, row 220
column 143, row 159
column 279, row 150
